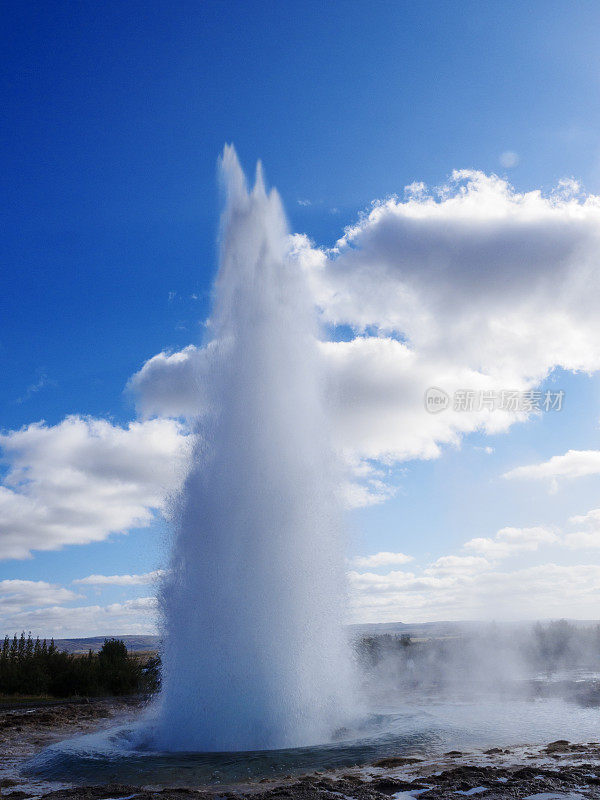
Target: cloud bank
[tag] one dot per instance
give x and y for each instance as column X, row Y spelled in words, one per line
column 469, row 286
column 509, row 541
column 542, row 591
column 383, row 559
column 83, row 479
column 120, row 580
column 573, row 464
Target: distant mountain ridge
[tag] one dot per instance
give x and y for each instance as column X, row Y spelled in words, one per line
column 425, row 630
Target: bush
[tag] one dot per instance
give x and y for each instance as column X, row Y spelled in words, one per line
column 30, row 666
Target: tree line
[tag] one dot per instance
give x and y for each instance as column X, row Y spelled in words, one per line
column 32, row 667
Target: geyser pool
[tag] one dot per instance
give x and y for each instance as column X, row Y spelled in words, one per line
column 427, row 727
column 254, row 650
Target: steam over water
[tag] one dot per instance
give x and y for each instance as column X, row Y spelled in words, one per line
column 254, row 654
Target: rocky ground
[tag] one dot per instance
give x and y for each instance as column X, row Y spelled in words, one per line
column 24, row 731
column 558, row 771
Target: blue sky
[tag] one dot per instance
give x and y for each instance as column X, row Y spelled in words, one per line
column 114, row 117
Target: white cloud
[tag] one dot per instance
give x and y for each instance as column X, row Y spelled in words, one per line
column 509, row 541
column 383, row 559
column 360, row 495
column 365, row 483
column 80, row 480
column 457, row 565
column 375, row 388
column 475, row 273
column 583, row 540
column 473, row 587
column 589, row 537
column 121, row 580
column 512, row 540
column 43, row 609
column 16, row 595
column 136, row 616
column 171, row 384
column 472, row 286
column 541, row 591
column 573, row 464
column 592, row 518
column 465, row 288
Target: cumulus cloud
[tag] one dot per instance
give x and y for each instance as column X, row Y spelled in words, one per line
column 478, row 286
column 573, row 464
column 470, row 272
column 383, row 559
column 171, row 384
column 469, row 286
column 80, row 480
column 512, row 540
column 121, row 580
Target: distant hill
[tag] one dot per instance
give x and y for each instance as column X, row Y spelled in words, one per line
column 135, row 644
column 435, row 630
column 417, row 630
column 94, row 643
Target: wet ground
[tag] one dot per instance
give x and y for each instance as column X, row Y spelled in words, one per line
column 24, row 731
column 558, row 770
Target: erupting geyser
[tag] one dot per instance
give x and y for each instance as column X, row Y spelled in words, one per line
column 254, row 652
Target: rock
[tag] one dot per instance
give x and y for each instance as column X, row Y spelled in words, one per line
column 396, row 761
column 559, row 746
column 18, row 795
